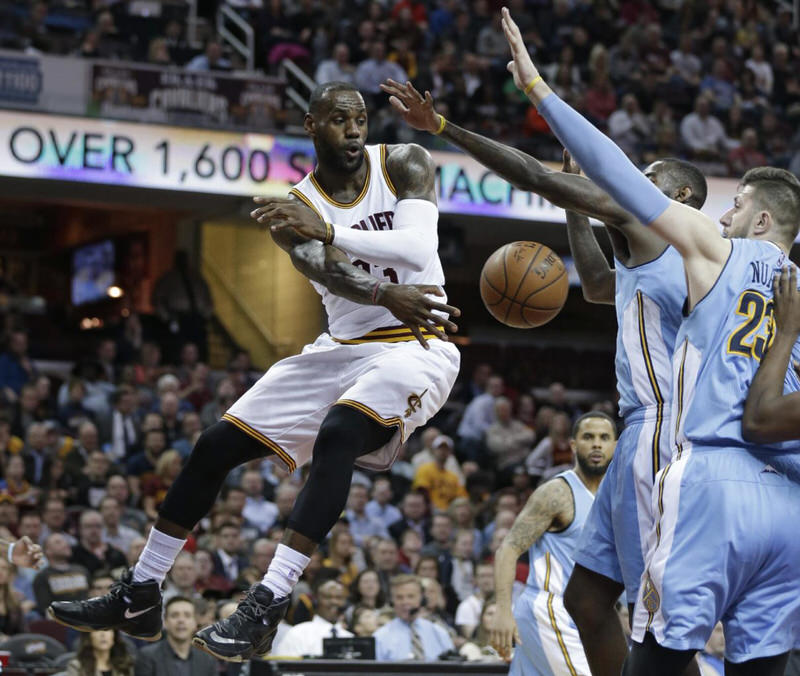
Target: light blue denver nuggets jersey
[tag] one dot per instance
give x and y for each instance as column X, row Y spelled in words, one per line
column 551, row 559
column 648, row 301
column 718, row 350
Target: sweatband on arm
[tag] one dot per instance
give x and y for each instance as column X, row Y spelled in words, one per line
column 603, row 162
column 410, row 243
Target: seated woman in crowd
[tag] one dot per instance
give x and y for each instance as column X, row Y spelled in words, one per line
column 101, row 653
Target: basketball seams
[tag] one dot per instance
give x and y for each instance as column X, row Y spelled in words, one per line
column 542, row 288
column 521, row 279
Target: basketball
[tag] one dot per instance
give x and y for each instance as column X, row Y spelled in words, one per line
column 524, row 284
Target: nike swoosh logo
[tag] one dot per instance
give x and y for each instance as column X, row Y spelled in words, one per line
column 222, row 639
column 129, row 615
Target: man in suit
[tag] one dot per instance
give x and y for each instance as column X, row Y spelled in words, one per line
column 120, row 429
column 228, row 560
column 175, row 655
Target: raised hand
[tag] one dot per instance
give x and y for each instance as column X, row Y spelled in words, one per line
column 416, row 109
column 410, row 304
column 26, row 554
column 504, row 633
column 521, row 66
column 787, row 301
column 279, row 213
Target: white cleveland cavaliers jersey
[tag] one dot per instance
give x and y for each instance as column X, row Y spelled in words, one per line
column 373, row 209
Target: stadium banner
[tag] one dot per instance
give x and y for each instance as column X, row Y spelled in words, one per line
column 233, row 163
column 185, row 97
column 42, row 82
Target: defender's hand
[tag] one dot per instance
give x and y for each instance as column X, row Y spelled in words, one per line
column 26, row 554
column 410, row 304
column 504, row 633
column 521, row 66
column 787, row 301
column 416, row 109
column 279, row 213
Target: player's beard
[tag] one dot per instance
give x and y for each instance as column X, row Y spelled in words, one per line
column 337, row 161
column 592, row 470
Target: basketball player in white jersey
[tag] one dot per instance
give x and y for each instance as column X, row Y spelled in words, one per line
column 355, row 395
column 548, row 643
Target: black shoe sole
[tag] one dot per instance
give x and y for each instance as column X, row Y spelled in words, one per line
column 78, row 627
column 198, row 642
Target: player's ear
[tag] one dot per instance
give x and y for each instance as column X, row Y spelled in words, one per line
column 763, row 223
column 308, row 124
column 683, row 194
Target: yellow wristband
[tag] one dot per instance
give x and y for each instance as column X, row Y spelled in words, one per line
column 442, row 123
column 532, row 84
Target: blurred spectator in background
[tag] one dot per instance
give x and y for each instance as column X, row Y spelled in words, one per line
column 747, row 155
column 182, row 578
column 381, row 507
column 120, row 428
column 414, row 509
column 629, row 127
column 478, row 415
column 468, row 614
column 59, row 580
column 91, row 552
column 553, row 452
column 507, row 439
column 211, row 59
column 305, row 639
column 257, row 510
column 228, row 561
column 115, row 533
column 341, row 549
column 362, row 526
column 16, row 367
column 101, row 652
column 441, row 485
column 371, row 72
column 12, row 619
column 425, row 454
column 703, row 133
column 409, row 636
column 338, row 68
column 54, row 517
column 175, row 654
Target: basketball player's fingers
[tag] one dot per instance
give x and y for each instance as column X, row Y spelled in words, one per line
column 433, row 327
column 430, row 290
column 411, row 89
column 429, row 98
column 449, row 325
column 418, row 335
column 449, row 309
column 398, row 105
column 517, row 639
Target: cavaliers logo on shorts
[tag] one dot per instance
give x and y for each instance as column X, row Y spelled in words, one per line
column 650, row 598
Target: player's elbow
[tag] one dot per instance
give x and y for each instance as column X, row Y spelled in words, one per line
column 756, row 426
column 598, row 291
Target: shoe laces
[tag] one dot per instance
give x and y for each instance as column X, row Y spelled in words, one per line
column 251, row 608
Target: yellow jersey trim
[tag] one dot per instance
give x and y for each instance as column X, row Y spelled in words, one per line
column 386, row 177
column 345, row 205
column 258, row 436
column 306, row 201
column 651, row 374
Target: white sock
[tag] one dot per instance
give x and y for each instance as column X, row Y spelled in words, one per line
column 157, row 557
column 284, row 571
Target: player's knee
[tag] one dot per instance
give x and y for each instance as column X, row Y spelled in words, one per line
column 206, row 455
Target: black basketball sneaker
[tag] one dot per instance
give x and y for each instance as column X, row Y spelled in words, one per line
column 247, row 633
column 132, row 607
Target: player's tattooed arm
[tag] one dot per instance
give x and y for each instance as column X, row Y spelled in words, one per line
column 412, row 171
column 769, row 415
column 331, row 267
column 598, row 280
column 550, row 507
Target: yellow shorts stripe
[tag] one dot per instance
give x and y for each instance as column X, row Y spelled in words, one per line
column 400, row 334
column 559, row 637
column 651, row 374
column 258, row 436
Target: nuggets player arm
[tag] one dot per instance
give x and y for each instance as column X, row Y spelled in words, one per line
column 770, row 415
column 524, row 172
column 550, row 507
column 598, row 281
column 690, row 231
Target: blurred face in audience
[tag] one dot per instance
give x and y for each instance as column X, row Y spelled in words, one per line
column 368, row 585
column 91, row 529
column 442, row 529
column 15, row 468
column 432, row 590
column 367, row 623
column 284, row 499
column 263, row 552
column 54, row 515
column 205, row 564
column 230, row 540
column 190, row 424
column 98, row 464
column 342, row 546
column 253, row 484
column 184, row 571
column 489, row 614
column 100, row 586
column 412, row 542
column 29, row 399
column 405, row 598
column 57, row 549
column 357, row 499
column 88, row 437
column 428, row 568
column 102, row 640
column 155, row 442
column 413, row 506
column 135, row 550
column 382, row 492
column 169, row 405
column 30, row 525
column 463, row 546
column 234, row 501
column 484, row 579
column 180, row 621
column 117, row 488
column 508, row 502
column 331, row 600
column 386, row 555
column 9, row 514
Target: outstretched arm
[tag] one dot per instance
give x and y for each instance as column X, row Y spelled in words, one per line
column 598, row 280
column 691, row 232
column 329, row 266
column 550, row 505
column 769, row 414
column 24, row 553
column 519, row 169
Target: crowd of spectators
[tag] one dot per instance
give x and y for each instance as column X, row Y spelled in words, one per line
column 714, row 81
column 87, row 460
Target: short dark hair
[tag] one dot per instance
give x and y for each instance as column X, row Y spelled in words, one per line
column 320, row 93
column 593, row 414
column 178, row 599
column 778, row 192
column 228, row 524
column 684, row 174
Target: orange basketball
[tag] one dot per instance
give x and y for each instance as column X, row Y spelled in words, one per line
column 524, row 284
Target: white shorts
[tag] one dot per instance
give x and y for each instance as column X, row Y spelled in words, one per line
column 398, row 384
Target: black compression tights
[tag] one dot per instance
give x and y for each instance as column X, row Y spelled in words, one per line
column 219, row 449
column 344, row 435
